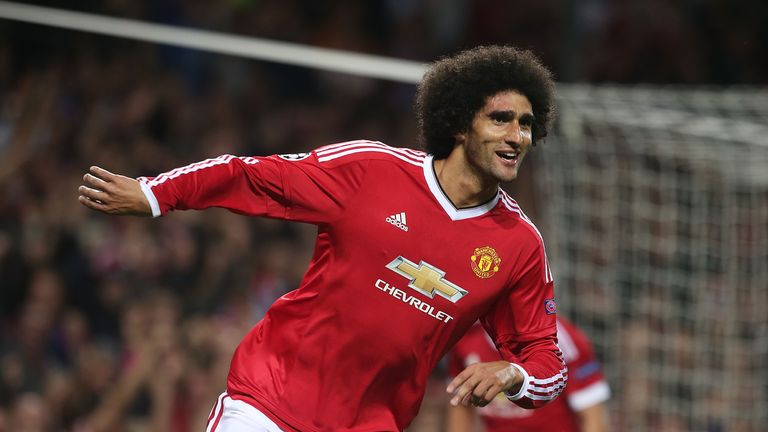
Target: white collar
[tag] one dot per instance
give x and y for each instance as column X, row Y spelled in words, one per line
column 455, row 214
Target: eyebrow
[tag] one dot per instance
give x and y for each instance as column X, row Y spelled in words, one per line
column 510, row 113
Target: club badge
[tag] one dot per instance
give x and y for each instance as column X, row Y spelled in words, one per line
column 485, row 262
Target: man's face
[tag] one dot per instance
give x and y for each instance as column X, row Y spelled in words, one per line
column 500, row 136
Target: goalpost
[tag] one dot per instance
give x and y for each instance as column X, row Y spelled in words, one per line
column 654, row 208
column 655, row 214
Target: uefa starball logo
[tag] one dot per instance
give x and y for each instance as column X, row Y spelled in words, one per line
column 550, row 307
column 294, row 156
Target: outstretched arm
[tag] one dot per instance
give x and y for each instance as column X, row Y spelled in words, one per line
column 113, row 194
column 305, row 190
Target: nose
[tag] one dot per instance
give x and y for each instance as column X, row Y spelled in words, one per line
column 514, row 134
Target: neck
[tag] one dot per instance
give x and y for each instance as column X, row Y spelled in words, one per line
column 463, row 186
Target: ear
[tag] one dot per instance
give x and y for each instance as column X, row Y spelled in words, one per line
column 460, row 137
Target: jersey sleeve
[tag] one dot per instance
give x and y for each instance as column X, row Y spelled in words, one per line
column 586, row 385
column 523, row 327
column 291, row 187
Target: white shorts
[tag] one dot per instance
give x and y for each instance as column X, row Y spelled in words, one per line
column 229, row 415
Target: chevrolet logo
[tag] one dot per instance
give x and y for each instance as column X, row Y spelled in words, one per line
column 426, row 279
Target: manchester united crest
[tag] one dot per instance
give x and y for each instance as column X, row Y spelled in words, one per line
column 485, row 262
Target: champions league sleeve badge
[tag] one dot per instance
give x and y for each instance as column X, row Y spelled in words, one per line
column 550, row 307
column 294, row 156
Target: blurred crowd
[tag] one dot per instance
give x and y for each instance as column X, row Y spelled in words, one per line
column 118, row 323
column 112, row 324
column 629, row 41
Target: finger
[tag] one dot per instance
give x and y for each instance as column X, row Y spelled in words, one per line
column 461, row 396
column 491, row 393
column 102, row 173
column 454, row 384
column 91, row 204
column 95, row 182
column 458, row 380
column 468, row 399
column 457, row 399
column 464, row 392
column 93, row 194
column 484, row 387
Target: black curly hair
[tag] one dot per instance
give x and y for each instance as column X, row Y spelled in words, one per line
column 455, row 88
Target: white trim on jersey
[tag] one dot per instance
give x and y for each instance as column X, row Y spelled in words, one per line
column 540, row 388
column 454, row 213
column 513, row 207
column 335, row 151
column 153, row 204
column 542, row 383
column 368, row 150
column 215, row 415
column 524, row 388
column 416, row 153
column 589, row 396
column 550, row 387
column 172, row 174
column 231, row 415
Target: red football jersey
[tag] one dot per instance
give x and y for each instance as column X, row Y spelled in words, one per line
column 397, row 276
column 586, row 385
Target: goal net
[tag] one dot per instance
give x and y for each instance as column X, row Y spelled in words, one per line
column 654, row 207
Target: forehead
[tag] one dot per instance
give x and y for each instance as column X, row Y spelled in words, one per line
column 509, row 100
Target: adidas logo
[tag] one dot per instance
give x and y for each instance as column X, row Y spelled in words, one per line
column 398, row 220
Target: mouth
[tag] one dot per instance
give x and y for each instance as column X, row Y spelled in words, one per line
column 510, row 156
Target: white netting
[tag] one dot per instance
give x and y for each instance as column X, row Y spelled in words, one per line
column 655, row 211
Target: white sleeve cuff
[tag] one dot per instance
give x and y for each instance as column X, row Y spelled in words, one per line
column 591, row 395
column 153, row 204
column 524, row 388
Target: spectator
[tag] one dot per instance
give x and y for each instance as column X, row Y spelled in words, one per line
column 582, row 407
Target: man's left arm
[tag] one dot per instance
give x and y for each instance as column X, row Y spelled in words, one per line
column 532, row 381
column 522, row 325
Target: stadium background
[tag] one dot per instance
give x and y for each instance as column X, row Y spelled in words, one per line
column 652, row 195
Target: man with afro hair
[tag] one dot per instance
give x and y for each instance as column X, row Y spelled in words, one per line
column 412, row 249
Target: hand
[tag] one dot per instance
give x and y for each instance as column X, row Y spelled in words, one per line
column 479, row 383
column 113, row 194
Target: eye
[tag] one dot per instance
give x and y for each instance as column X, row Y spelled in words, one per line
column 526, row 122
column 500, row 117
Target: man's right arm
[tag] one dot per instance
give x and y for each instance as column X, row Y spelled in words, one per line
column 239, row 184
column 305, row 190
